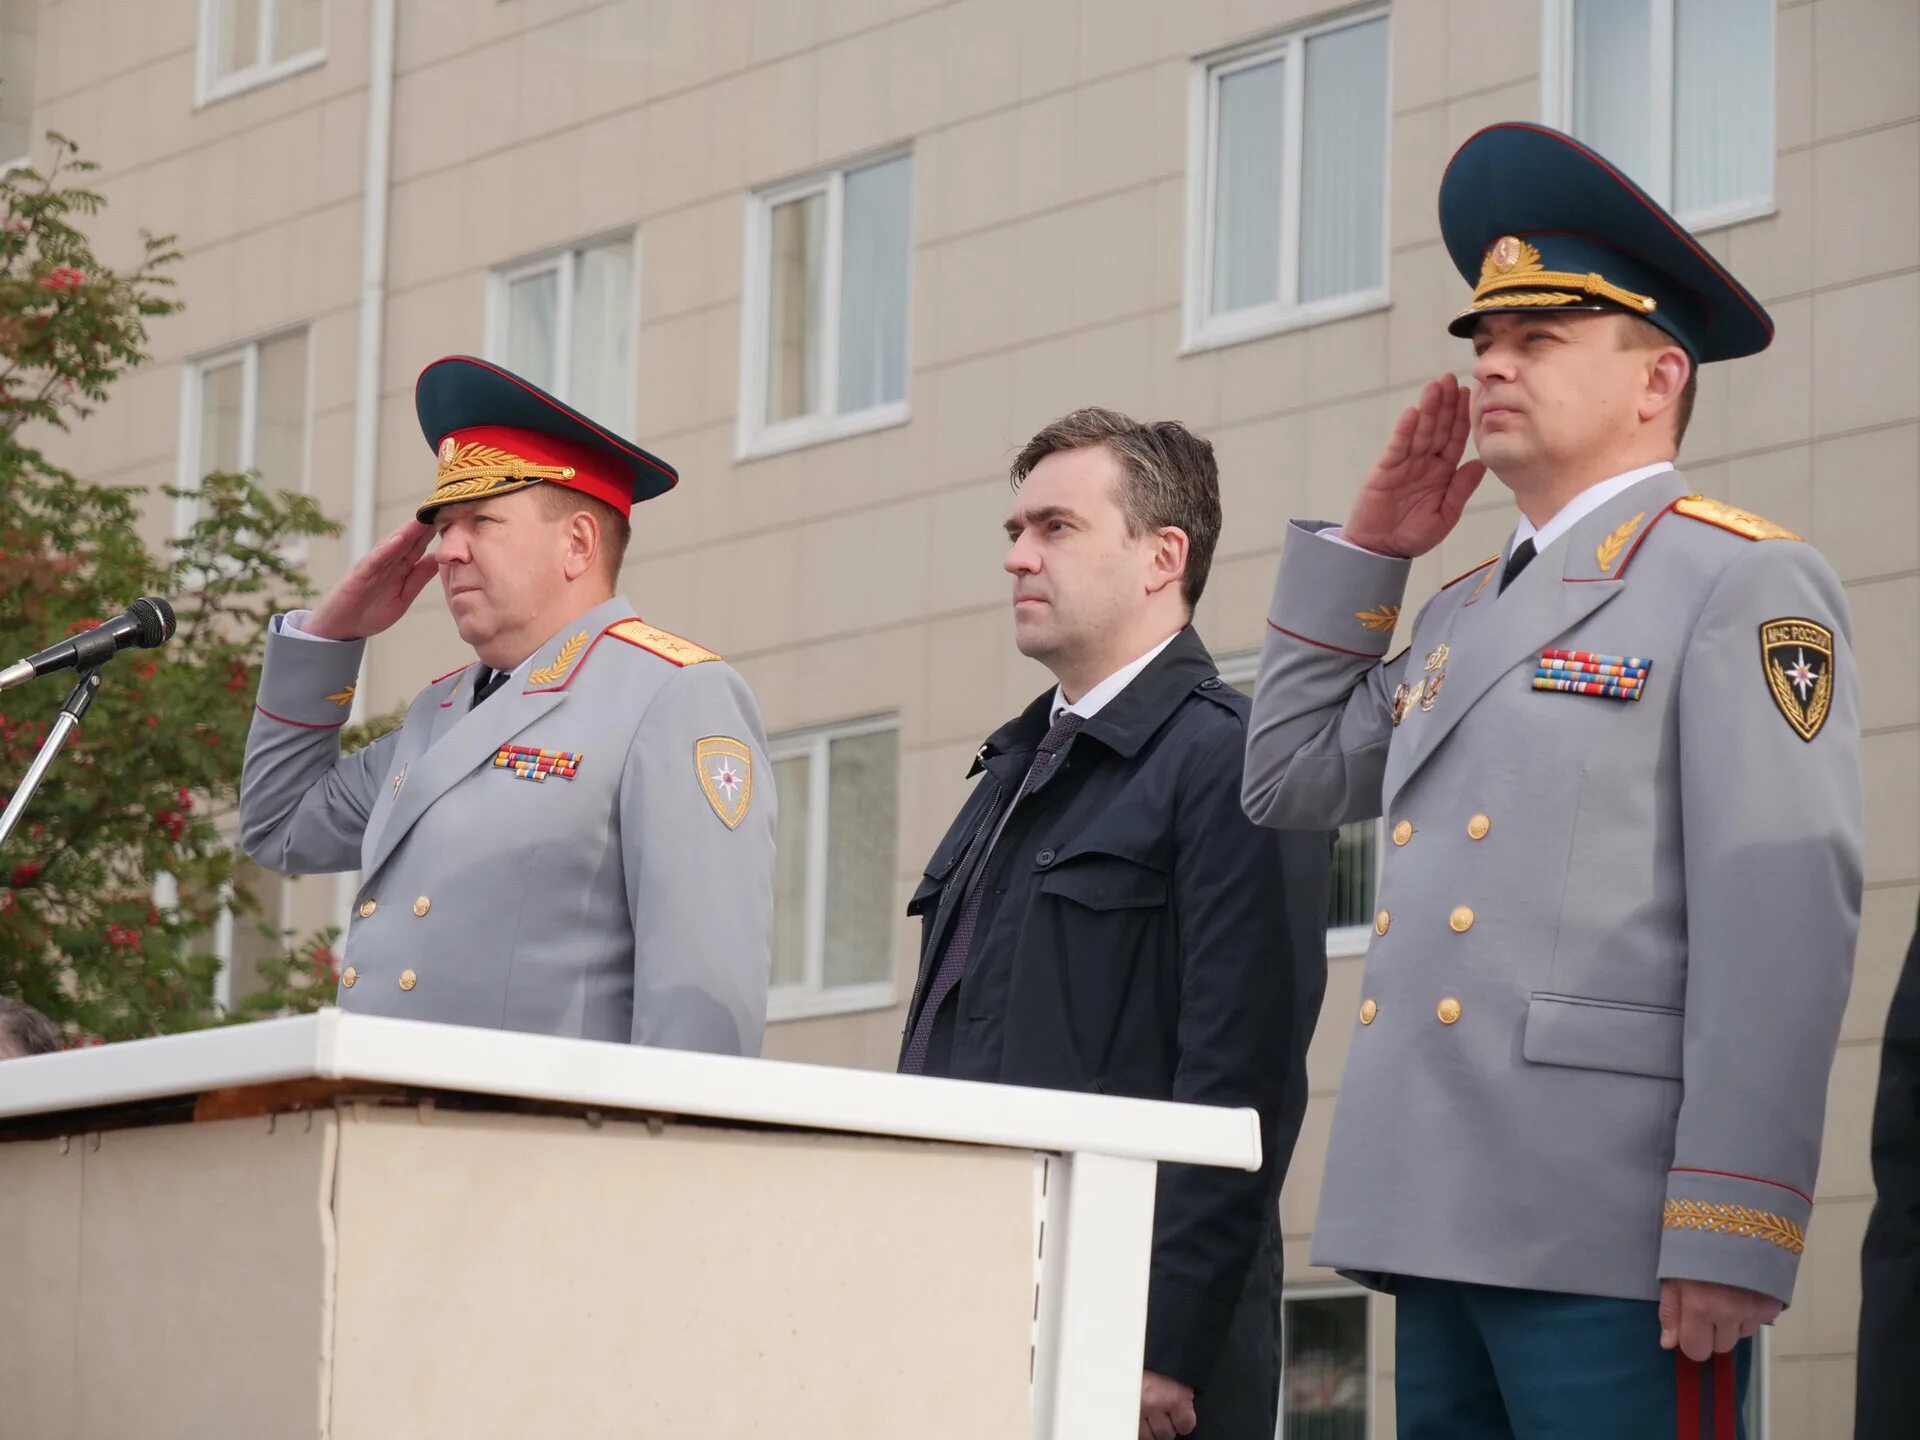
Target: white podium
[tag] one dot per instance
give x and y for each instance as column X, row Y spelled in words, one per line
column 366, row 1229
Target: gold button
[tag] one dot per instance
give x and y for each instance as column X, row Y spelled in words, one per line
column 1448, row 1010
column 1403, row 832
column 1381, row 922
column 348, row 976
column 367, row 907
column 422, row 905
column 408, row 979
column 1461, row 920
column 1367, row 1011
column 1478, row 827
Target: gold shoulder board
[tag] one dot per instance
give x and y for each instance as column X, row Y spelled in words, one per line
column 668, row 647
column 1732, row 517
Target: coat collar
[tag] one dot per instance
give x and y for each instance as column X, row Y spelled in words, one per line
column 1490, row 633
column 463, row 736
column 1126, row 722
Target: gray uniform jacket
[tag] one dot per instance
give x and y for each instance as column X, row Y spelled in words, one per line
column 588, row 852
column 1615, row 933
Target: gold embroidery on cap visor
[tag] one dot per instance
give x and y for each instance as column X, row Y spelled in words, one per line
column 473, row 471
column 1512, row 277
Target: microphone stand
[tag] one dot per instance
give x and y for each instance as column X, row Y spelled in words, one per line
column 68, row 721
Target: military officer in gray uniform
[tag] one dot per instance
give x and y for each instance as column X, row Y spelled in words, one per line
column 1580, row 1122
column 572, row 835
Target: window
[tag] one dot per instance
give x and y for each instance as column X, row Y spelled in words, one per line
column 834, row 882
column 1678, row 93
column 1356, row 851
column 1287, row 181
column 246, row 409
column 18, row 23
column 566, row 322
column 1326, row 1380
column 245, row 43
column 827, row 284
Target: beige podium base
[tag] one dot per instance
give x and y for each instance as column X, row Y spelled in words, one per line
column 352, row 1228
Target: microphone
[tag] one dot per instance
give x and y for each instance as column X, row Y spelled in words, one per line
column 144, row 624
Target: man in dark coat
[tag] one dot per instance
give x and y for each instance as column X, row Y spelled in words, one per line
column 1888, row 1403
column 1102, row 916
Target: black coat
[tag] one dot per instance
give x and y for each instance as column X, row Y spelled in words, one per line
column 1142, row 937
column 1888, row 1395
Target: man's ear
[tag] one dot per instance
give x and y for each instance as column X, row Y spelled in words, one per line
column 583, row 544
column 1667, row 373
column 1169, row 559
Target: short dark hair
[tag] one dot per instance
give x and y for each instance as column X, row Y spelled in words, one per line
column 25, row 1031
column 1646, row 335
column 557, row 502
column 1168, row 478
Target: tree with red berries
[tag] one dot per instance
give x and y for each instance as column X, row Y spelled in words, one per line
column 116, row 878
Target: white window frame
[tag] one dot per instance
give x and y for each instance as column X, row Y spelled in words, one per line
column 1330, row 1292
column 1343, row 941
column 812, row 998
column 755, row 437
column 1556, row 107
column 1203, row 330
column 192, row 471
column 562, row 262
column 262, row 72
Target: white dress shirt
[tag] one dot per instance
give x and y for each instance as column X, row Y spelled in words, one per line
column 1581, row 506
column 1096, row 699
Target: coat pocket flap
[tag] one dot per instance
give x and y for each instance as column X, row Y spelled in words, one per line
column 1106, row 882
column 926, row 894
column 1604, row 1035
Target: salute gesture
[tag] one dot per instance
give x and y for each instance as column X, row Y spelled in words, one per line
column 1413, row 496
column 378, row 590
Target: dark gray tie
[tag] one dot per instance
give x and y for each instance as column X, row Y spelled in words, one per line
column 485, row 682
column 953, row 960
column 1522, row 557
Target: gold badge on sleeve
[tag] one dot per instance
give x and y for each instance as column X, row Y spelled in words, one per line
column 1797, row 655
column 725, row 767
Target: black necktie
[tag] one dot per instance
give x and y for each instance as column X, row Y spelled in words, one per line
column 953, row 960
column 486, row 681
column 1522, row 557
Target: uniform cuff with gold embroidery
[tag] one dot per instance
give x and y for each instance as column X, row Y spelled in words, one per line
column 310, row 685
column 1337, row 596
column 1733, row 1230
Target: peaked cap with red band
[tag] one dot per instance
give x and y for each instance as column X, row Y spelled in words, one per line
column 1534, row 220
column 495, row 432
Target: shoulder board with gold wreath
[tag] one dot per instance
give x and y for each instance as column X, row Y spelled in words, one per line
column 1730, row 517
column 667, row 646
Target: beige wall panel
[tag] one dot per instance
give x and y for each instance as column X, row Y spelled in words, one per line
column 1866, row 508
column 40, row 1241
column 204, row 1240
column 1492, row 43
column 1824, row 1318
column 1812, row 1396
column 1886, row 929
column 1114, row 127
column 1865, row 353
column 1873, row 180
column 513, row 1277
column 1114, row 240
column 1774, row 256
column 1893, row 805
column 1845, row 1166
column 1327, row 1055
column 1866, row 59
column 1775, row 483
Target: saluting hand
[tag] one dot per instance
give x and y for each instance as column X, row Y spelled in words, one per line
column 1413, row 496
column 378, row 590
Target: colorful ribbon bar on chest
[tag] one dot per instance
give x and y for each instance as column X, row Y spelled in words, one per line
column 1582, row 672
column 530, row 763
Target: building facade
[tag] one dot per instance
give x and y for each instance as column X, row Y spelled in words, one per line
column 838, row 259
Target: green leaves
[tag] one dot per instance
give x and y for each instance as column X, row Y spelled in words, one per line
column 111, row 890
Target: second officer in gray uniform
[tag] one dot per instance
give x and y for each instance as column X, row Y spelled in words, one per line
column 1619, row 767
column 571, row 836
